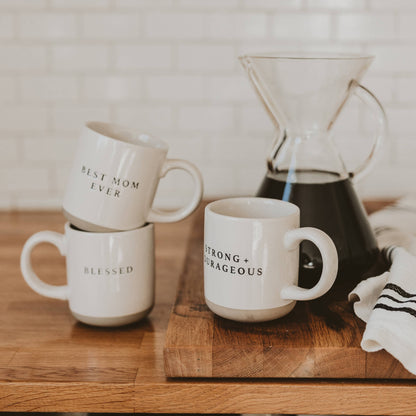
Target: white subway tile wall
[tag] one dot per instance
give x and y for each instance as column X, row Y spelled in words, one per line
column 170, row 67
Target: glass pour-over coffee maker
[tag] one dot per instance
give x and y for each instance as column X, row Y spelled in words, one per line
column 304, row 95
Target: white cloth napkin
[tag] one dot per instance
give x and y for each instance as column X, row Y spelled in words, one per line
column 395, row 225
column 388, row 302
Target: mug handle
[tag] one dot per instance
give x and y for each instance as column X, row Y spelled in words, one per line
column 292, row 239
column 157, row 215
column 44, row 289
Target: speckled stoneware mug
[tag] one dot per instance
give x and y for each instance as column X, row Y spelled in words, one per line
column 110, row 276
column 114, row 177
column 251, row 258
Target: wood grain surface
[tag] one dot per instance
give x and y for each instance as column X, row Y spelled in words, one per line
column 319, row 339
column 45, row 353
column 51, row 363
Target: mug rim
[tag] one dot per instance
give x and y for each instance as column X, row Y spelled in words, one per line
column 219, row 208
column 143, row 140
column 73, row 229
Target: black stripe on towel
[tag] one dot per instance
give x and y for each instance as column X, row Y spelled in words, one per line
column 397, row 300
column 399, row 290
column 390, row 308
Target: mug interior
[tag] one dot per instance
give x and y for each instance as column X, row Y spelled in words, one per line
column 253, row 207
column 126, row 135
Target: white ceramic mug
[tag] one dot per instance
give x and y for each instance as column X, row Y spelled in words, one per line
column 110, row 276
column 114, row 178
column 251, row 258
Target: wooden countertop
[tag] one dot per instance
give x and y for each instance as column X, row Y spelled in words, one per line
column 51, row 363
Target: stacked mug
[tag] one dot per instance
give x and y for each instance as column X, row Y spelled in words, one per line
column 109, row 239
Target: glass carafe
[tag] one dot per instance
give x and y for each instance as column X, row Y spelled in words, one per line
column 304, row 95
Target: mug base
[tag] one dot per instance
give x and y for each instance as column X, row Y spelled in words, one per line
column 86, row 225
column 255, row 315
column 111, row 321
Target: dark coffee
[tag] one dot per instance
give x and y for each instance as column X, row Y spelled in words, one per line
column 330, row 204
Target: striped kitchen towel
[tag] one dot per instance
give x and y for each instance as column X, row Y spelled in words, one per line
column 388, row 302
column 395, row 225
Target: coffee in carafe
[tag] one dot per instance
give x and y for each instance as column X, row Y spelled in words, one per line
column 304, row 95
column 332, row 206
